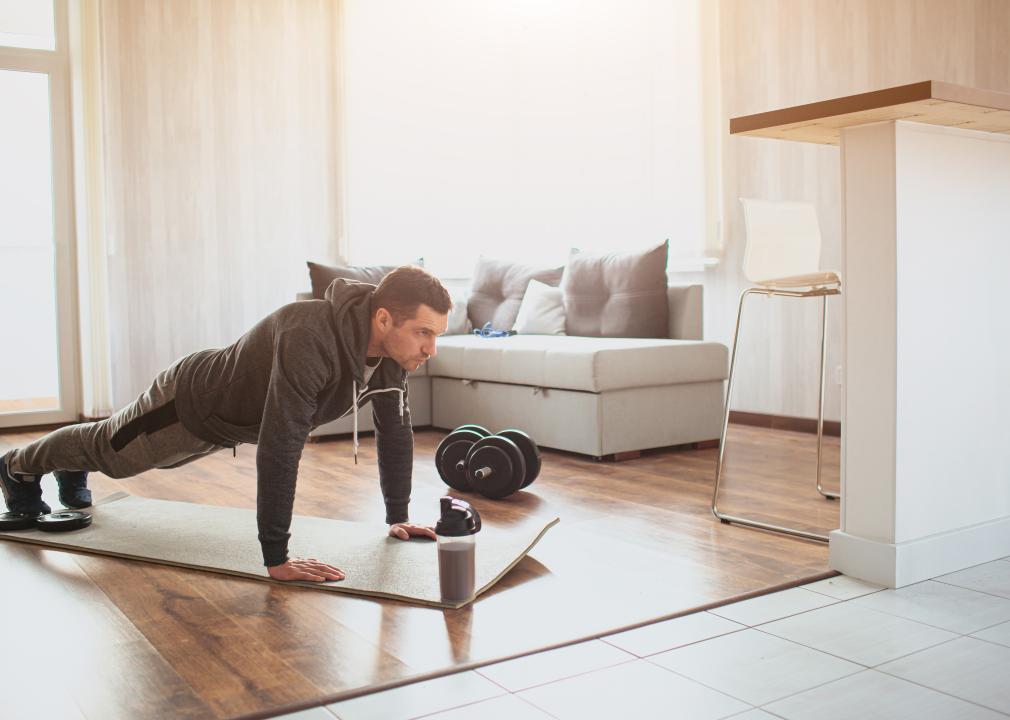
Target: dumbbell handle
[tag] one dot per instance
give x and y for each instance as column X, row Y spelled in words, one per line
column 482, row 473
column 461, row 466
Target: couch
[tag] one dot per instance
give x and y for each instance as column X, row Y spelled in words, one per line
column 598, row 396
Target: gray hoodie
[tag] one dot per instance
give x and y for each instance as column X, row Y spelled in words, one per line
column 298, row 368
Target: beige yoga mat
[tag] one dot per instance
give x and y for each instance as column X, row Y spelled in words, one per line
column 223, row 540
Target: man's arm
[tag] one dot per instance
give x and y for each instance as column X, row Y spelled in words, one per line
column 300, row 371
column 394, row 448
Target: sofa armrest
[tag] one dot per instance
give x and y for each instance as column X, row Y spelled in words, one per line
column 303, row 296
column 685, row 312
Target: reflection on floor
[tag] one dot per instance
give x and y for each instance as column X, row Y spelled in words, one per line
column 837, row 648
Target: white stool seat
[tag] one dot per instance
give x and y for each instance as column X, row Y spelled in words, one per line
column 818, row 280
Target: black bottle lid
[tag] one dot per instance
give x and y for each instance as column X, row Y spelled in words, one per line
column 458, row 518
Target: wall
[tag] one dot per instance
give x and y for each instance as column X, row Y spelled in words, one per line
column 221, row 169
column 778, row 53
column 523, row 128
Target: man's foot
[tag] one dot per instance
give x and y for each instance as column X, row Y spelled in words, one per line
column 23, row 494
column 74, row 491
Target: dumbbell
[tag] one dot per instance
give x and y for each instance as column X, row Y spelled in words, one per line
column 53, row 522
column 470, row 459
column 450, row 456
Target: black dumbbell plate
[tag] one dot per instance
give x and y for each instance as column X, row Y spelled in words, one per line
column 16, row 521
column 504, row 460
column 530, row 451
column 452, row 451
column 63, row 521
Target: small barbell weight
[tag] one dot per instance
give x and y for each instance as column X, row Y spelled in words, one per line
column 530, row 451
column 63, row 521
column 495, row 467
column 16, row 521
column 450, row 456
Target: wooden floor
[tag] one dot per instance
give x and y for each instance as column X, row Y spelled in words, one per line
column 94, row 637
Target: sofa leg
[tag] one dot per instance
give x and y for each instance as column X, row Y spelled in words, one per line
column 629, row 455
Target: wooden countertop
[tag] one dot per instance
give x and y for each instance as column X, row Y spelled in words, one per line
column 931, row 102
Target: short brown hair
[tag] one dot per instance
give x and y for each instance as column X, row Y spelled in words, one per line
column 406, row 288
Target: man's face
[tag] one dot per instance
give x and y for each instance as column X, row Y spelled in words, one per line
column 412, row 342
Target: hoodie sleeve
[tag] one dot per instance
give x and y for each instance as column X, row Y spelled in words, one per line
column 301, row 368
column 394, row 448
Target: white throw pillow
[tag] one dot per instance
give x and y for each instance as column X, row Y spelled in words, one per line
column 459, row 323
column 542, row 311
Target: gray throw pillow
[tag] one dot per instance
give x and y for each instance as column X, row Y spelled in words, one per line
column 621, row 294
column 322, row 275
column 497, row 289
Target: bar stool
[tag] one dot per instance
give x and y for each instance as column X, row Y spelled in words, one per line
column 781, row 259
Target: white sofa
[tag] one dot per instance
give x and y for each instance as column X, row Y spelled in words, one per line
column 595, row 396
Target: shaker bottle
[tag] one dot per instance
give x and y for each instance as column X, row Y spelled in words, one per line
column 456, row 529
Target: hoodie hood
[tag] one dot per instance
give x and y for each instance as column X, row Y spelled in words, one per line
column 351, row 303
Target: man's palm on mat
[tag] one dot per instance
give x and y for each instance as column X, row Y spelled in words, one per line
column 313, row 570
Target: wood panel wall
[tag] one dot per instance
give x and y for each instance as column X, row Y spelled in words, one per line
column 778, row 53
column 222, row 169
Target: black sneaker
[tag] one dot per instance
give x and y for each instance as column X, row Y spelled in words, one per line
column 23, row 494
column 74, row 491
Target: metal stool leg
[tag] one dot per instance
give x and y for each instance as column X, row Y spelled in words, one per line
column 720, row 461
column 820, row 398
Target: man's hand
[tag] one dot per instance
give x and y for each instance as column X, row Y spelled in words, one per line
column 405, row 531
column 311, row 570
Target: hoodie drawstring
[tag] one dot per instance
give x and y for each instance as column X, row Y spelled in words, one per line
column 365, row 393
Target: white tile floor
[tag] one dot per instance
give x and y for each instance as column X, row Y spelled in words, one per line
column 838, row 648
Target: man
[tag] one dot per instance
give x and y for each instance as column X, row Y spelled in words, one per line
column 301, row 366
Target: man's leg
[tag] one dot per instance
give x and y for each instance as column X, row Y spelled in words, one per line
column 71, row 452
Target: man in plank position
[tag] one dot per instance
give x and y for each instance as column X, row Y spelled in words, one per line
column 301, row 366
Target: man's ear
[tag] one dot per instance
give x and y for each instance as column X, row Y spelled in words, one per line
column 383, row 318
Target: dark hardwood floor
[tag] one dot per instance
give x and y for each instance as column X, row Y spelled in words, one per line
column 95, row 637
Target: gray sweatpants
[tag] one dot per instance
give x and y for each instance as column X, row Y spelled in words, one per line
column 88, row 446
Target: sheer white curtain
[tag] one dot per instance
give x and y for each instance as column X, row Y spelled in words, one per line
column 524, row 128
column 89, row 194
column 208, row 175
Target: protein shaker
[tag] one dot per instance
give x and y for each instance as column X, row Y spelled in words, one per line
column 456, row 529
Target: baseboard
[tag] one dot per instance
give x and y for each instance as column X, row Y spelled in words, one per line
column 899, row 564
column 784, row 422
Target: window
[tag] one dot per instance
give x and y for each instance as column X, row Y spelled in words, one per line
column 37, row 369
column 524, row 128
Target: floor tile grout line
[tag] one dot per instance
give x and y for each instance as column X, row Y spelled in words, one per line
column 634, row 658
column 807, row 587
column 534, row 705
column 921, row 622
column 456, row 707
column 988, row 627
column 693, row 642
column 818, row 650
column 704, row 685
column 989, row 642
column 748, row 702
column 801, row 612
column 882, row 672
column 856, row 662
column 942, row 692
column 916, row 652
column 980, row 592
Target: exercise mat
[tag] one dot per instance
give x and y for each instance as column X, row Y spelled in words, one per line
column 222, row 539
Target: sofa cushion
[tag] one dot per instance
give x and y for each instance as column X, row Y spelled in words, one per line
column 621, row 294
column 579, row 363
column 498, row 287
column 542, row 311
column 322, row 275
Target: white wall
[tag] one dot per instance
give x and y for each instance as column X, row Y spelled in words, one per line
column 926, row 454
column 522, row 128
